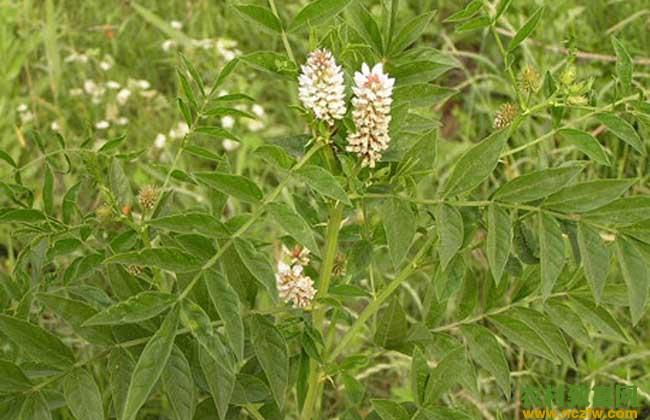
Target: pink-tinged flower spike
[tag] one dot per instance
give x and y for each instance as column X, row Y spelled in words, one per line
column 293, row 286
column 373, row 97
column 322, row 89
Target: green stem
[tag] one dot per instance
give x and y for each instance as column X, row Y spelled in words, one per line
column 511, row 74
column 329, row 256
column 374, row 306
column 285, row 39
column 477, row 318
column 577, row 120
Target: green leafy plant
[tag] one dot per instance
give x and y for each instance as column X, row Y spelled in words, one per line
column 352, row 260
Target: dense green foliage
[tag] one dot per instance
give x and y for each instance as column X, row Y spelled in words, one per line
column 158, row 168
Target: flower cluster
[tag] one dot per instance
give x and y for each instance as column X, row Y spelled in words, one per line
column 505, row 116
column 371, row 114
column 321, row 86
column 293, row 285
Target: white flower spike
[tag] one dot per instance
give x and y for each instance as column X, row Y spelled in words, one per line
column 322, row 89
column 373, row 98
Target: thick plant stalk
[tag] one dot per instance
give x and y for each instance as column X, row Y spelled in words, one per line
column 331, row 245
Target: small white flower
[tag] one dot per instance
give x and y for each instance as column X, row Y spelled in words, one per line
column 76, row 58
column 180, row 131
column 227, row 122
column 168, row 44
column 160, row 141
column 22, row 108
column 112, row 84
column 258, row 110
column 105, row 65
column 255, row 125
column 371, row 114
column 90, row 87
column 123, row 96
column 176, row 24
column 322, row 88
column 122, row 121
column 26, row 117
column 55, row 126
column 102, row 125
column 142, row 84
column 230, row 145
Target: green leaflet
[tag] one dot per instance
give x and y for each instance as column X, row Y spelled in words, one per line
column 137, row 308
column 499, row 240
column 623, row 130
column 165, row 258
column 525, row 31
column 595, row 258
column 317, row 11
column 536, row 185
column 150, row 365
column 586, row 196
column 226, row 301
column 83, row 396
column 390, row 410
column 450, row 232
column 179, row 385
column 487, row 352
column 37, row 343
column 237, row 186
column 323, row 183
column 476, row 164
column 551, row 251
column 400, row 225
column 294, row 225
column 12, row 378
column 271, row 350
column 523, row 336
column 636, row 276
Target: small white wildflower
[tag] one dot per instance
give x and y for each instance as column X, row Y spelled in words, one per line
column 123, row 96
column 159, row 141
column 168, row 44
column 76, row 92
column 148, row 93
column 230, row 145
column 112, row 84
column 322, row 89
column 371, row 114
column 122, row 121
column 180, row 131
column 90, row 87
column 26, row 117
column 227, row 122
column 258, row 110
column 142, row 84
column 293, row 286
column 55, row 126
column 102, row 125
column 76, row 58
column 297, row 255
column 176, row 24
column 22, row 108
column 105, row 65
column 255, row 125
